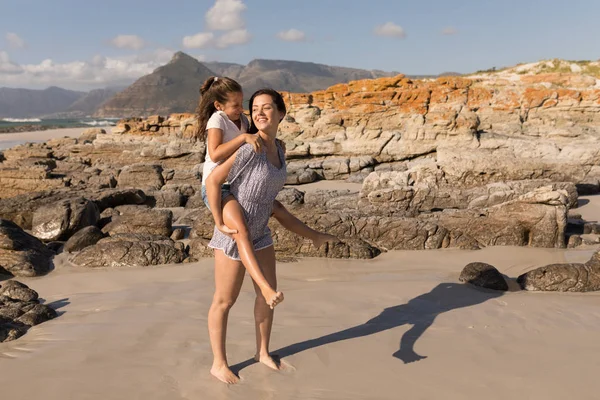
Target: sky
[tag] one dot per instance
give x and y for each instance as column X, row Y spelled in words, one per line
column 82, row 45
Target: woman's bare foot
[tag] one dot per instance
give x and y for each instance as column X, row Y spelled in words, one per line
column 224, row 374
column 323, row 238
column 269, row 361
column 272, row 298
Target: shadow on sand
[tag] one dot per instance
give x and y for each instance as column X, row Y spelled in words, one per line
column 419, row 312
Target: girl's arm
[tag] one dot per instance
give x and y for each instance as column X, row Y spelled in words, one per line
column 215, row 180
column 219, row 151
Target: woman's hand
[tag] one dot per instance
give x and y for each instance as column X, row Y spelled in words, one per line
column 254, row 140
column 226, row 230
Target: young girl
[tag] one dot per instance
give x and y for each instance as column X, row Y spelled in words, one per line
column 224, row 127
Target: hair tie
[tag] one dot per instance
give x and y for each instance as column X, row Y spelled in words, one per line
column 216, row 79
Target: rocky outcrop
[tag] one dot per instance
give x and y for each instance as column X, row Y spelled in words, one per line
column 568, row 277
column 478, row 130
column 483, row 275
column 20, row 309
column 22, row 254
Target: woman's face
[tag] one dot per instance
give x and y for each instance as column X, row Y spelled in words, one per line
column 265, row 115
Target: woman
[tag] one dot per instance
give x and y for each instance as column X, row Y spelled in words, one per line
column 255, row 179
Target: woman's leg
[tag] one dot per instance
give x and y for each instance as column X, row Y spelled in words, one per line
column 293, row 224
column 229, row 275
column 263, row 314
column 233, row 217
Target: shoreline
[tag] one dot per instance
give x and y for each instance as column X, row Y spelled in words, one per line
column 8, row 140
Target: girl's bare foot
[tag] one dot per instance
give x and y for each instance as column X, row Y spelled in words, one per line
column 224, row 374
column 273, row 298
column 323, row 238
column 267, row 360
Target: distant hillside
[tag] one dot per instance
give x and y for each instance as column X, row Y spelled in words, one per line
column 291, row 76
column 23, row 103
column 172, row 88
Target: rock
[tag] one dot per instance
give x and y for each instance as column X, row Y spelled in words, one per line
column 178, row 234
column 20, row 309
column 141, row 176
column 569, row 277
column 195, row 201
column 17, row 291
column 164, row 199
column 118, row 197
column 59, row 221
column 90, row 134
column 36, row 315
column 22, row 254
column 83, row 238
column 290, row 197
column 155, row 222
column 483, row 275
column 136, row 237
column 574, row 241
column 198, row 248
column 129, row 254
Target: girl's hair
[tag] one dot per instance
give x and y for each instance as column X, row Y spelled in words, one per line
column 277, row 99
column 214, row 89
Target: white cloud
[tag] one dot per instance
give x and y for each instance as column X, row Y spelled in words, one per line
column 199, row 41
column 14, row 41
column 132, row 42
column 98, row 72
column 7, row 66
column 226, row 15
column 292, row 35
column 449, row 31
column 390, row 29
column 232, row 38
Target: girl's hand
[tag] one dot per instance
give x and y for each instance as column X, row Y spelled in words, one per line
column 226, row 230
column 254, row 140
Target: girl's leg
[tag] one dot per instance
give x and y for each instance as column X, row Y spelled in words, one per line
column 229, row 275
column 233, row 217
column 263, row 314
column 293, row 224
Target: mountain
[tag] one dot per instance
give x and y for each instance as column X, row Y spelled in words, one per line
column 291, row 76
column 175, row 86
column 172, row 88
column 24, row 103
column 87, row 104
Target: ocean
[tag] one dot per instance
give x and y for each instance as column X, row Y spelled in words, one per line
column 62, row 123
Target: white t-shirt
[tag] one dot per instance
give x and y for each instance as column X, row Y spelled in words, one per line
column 220, row 120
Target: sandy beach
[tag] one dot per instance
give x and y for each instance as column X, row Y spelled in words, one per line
column 141, row 333
column 8, row 140
column 397, row 326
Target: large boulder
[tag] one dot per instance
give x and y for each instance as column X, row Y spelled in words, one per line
column 483, row 275
column 130, row 254
column 22, row 254
column 59, row 221
column 568, row 277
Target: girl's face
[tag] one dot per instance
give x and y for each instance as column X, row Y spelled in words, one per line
column 233, row 106
column 265, row 115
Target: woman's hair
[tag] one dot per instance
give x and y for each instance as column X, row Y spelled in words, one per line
column 213, row 89
column 277, row 100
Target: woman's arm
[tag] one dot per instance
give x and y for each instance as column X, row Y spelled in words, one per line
column 219, row 151
column 213, row 193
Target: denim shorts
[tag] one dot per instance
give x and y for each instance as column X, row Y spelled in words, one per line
column 224, row 193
